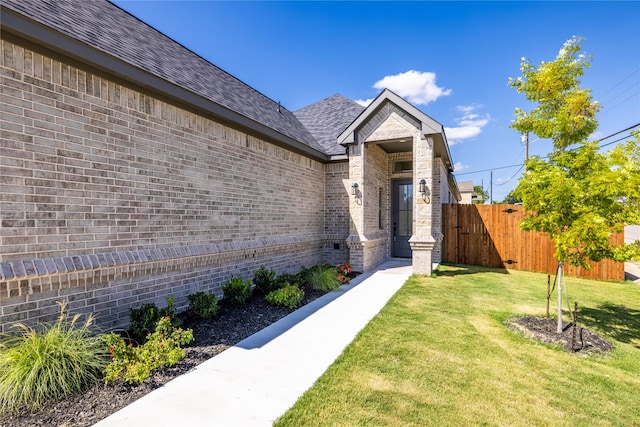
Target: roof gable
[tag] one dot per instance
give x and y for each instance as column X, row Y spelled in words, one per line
column 388, row 99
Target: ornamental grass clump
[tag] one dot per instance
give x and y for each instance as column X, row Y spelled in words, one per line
column 288, row 296
column 323, row 277
column 49, row 362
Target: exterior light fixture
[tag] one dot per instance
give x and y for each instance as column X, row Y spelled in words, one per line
column 423, row 187
column 354, row 189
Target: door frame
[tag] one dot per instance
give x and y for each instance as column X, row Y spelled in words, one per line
column 395, row 183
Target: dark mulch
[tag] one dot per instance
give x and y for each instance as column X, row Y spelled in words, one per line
column 545, row 330
column 231, row 325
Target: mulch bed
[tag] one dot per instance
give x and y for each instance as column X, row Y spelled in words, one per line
column 231, row 325
column 545, row 330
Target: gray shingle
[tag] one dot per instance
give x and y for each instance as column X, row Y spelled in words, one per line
column 107, row 28
column 326, row 119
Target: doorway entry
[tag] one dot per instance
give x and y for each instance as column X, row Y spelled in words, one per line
column 401, row 217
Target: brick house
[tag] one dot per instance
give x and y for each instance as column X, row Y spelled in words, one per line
column 132, row 169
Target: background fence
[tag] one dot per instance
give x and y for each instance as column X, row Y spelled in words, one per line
column 489, row 235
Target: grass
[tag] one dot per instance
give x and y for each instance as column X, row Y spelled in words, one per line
column 49, row 362
column 439, row 354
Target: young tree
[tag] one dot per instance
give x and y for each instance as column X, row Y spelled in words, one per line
column 479, row 195
column 511, row 199
column 579, row 196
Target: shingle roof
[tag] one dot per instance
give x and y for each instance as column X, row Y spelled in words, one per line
column 109, row 29
column 326, row 119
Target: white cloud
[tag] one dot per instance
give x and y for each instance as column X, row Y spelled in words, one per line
column 457, row 166
column 417, row 87
column 365, row 102
column 470, row 124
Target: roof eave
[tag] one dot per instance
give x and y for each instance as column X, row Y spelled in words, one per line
column 35, row 32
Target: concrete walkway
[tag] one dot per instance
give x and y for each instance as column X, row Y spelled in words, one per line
column 259, row 379
column 632, row 271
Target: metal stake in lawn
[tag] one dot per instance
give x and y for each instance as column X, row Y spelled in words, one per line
column 548, row 292
column 575, row 326
column 560, row 269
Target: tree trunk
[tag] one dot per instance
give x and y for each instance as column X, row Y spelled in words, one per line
column 560, row 274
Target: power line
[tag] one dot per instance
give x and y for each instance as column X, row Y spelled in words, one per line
column 619, row 83
column 510, row 178
column 544, row 157
column 492, row 169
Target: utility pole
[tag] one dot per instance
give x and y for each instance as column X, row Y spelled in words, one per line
column 491, row 188
column 526, row 146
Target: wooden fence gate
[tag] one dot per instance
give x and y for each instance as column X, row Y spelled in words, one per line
column 489, row 235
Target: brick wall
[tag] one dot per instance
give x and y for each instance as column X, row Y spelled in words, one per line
column 336, row 222
column 440, row 196
column 113, row 197
column 376, row 184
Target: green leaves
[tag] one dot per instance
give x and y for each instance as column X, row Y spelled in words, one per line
column 49, row 362
column 565, row 112
column 582, row 197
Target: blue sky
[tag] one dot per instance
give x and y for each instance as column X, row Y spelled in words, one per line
column 452, row 60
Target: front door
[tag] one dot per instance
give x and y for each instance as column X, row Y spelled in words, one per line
column 402, row 217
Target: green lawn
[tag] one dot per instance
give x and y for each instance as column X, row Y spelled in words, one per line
column 439, row 354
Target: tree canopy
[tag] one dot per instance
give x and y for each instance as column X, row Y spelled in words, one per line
column 581, row 195
column 479, row 195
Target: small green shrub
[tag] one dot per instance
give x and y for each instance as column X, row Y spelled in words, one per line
column 170, row 311
column 264, row 280
column 134, row 364
column 323, row 277
column 289, row 296
column 237, row 290
column 285, row 279
column 202, row 305
column 143, row 320
column 48, row 362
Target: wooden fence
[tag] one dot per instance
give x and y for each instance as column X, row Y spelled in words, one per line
column 489, row 235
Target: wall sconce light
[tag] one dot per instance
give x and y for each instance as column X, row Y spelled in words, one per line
column 423, row 187
column 354, row 189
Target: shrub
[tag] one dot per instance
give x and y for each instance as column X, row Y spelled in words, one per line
column 203, row 305
column 323, row 277
column 237, row 290
column 264, row 280
column 170, row 311
column 143, row 320
column 344, row 270
column 285, row 279
column 289, row 296
column 134, row 364
column 49, row 362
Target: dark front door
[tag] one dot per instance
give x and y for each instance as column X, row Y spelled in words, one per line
column 402, row 217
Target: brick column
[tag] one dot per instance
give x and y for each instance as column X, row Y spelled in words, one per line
column 356, row 239
column 422, row 242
